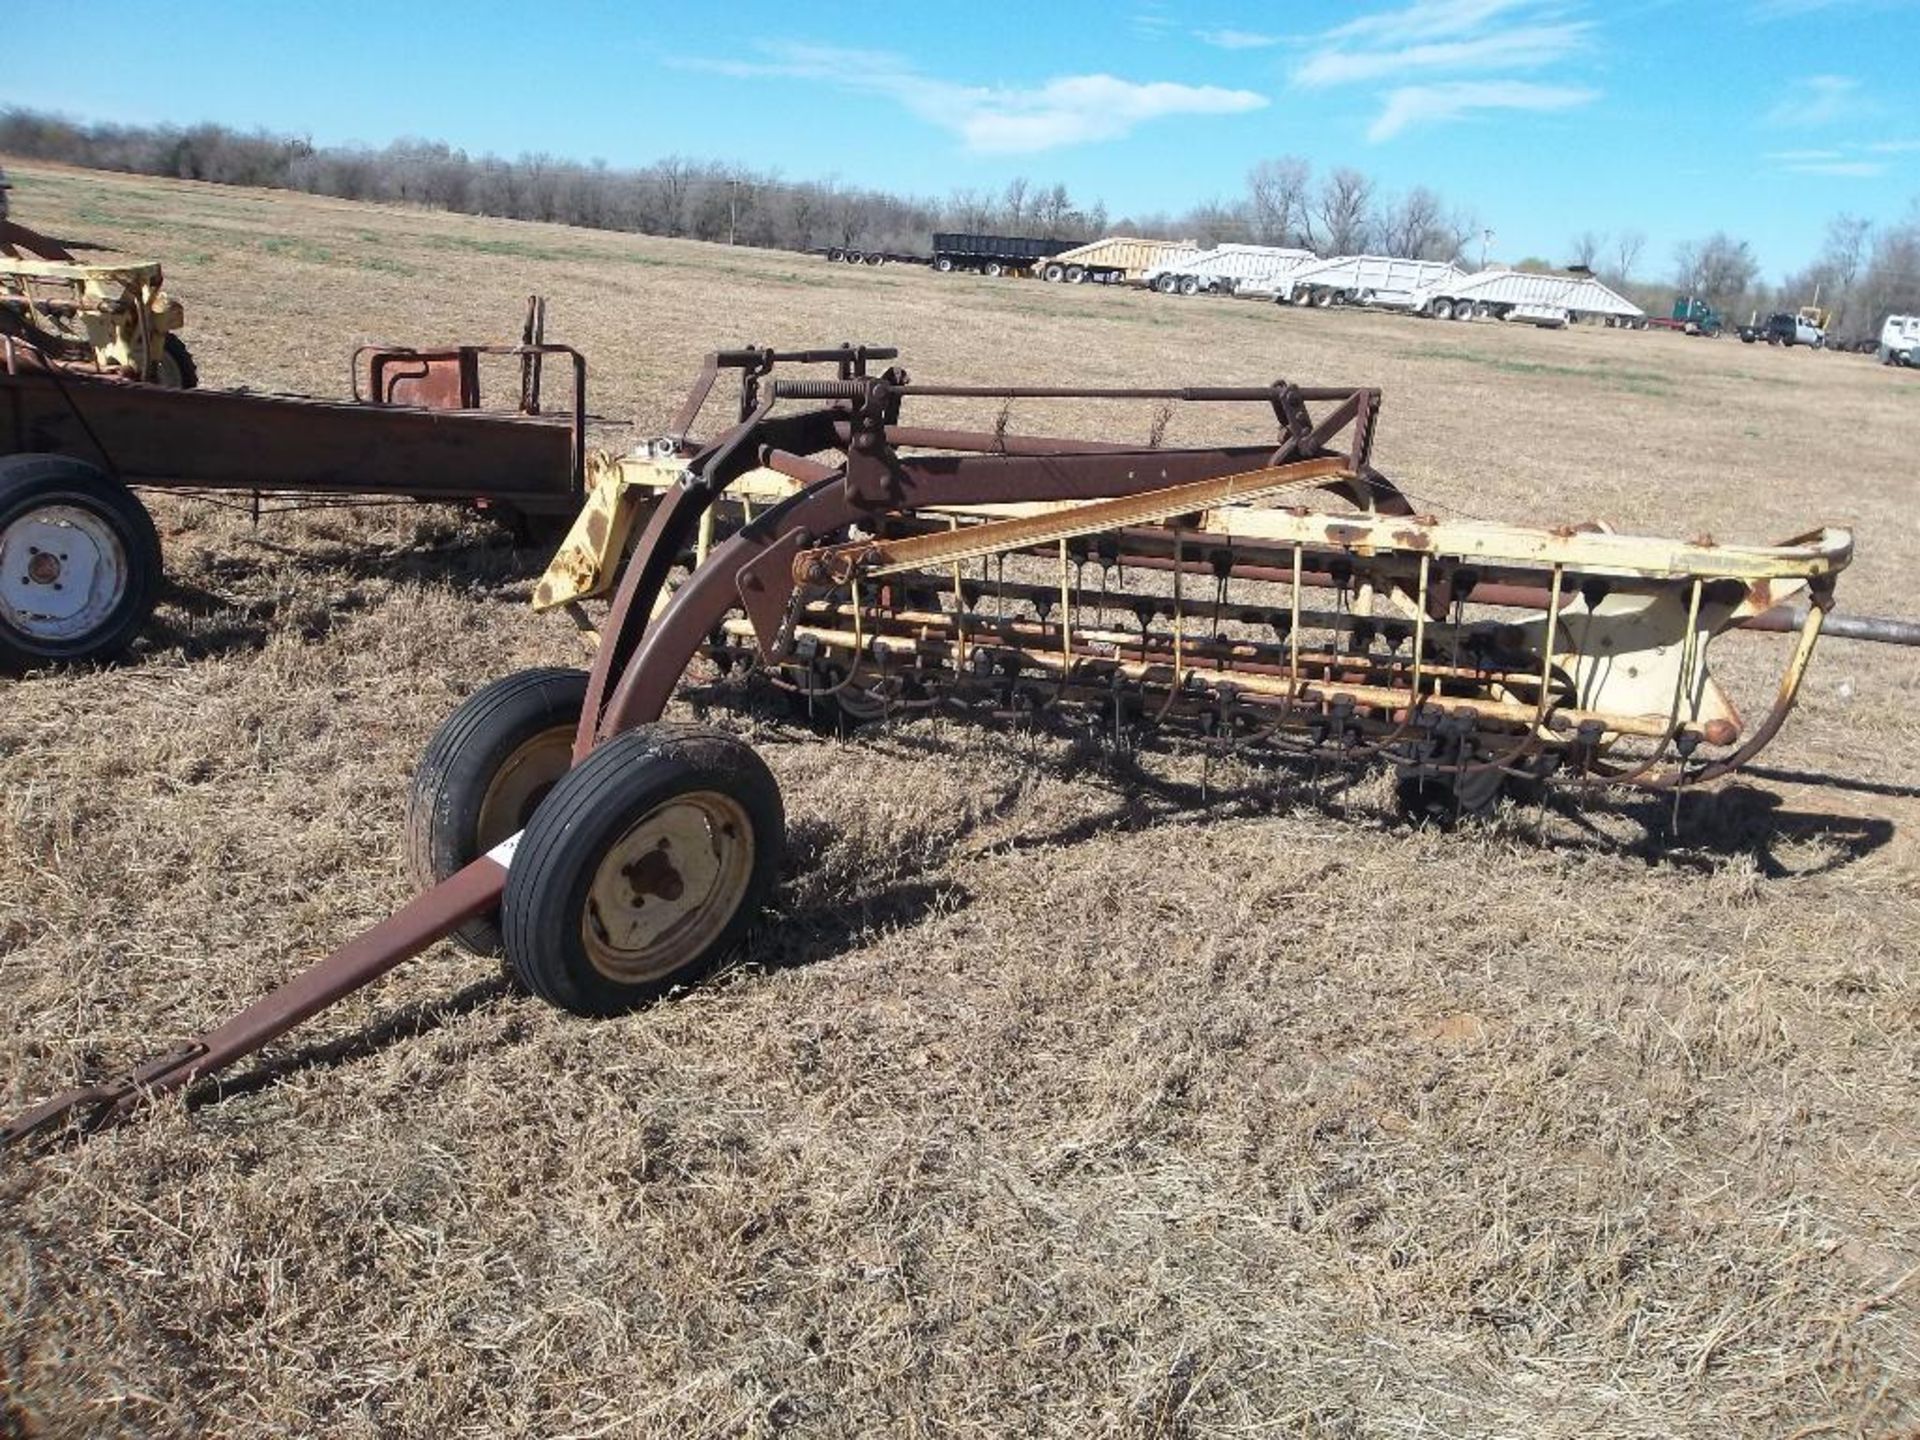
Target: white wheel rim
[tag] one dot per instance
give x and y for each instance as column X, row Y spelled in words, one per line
column 63, row 573
column 666, row 889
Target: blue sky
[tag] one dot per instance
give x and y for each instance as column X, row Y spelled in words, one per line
column 1542, row 117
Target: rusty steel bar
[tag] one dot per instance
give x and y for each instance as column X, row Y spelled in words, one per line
column 402, row 935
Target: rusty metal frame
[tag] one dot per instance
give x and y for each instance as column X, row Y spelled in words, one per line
column 878, row 474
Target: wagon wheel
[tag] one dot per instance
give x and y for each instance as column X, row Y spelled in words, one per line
column 173, row 368
column 79, row 562
column 484, row 773
column 643, row 869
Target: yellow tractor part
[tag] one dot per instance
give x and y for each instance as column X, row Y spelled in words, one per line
column 620, row 490
column 114, row 318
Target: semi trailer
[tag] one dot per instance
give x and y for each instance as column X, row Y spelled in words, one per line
column 1523, row 295
column 1382, row 280
column 1115, row 260
column 1230, row 270
column 995, row 254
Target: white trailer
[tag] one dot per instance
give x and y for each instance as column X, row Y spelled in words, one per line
column 1525, row 296
column 1230, row 270
column 1383, row 280
column 1900, row 340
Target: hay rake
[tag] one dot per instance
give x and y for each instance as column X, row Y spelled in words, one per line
column 1283, row 596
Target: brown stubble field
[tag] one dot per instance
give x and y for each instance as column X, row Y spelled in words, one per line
column 1061, row 1095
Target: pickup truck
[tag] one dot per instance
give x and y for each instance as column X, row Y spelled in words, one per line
column 1900, row 341
column 1785, row 329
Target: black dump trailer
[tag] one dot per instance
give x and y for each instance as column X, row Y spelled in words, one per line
column 995, row 254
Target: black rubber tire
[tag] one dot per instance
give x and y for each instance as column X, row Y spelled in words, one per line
column 179, row 360
column 592, row 809
column 459, row 766
column 943, row 265
column 1443, row 797
column 28, row 482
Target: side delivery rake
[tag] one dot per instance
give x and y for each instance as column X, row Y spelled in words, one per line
column 1279, row 597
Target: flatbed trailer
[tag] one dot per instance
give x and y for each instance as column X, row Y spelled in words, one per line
column 856, row 255
column 80, row 558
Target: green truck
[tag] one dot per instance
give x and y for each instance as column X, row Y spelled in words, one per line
column 1692, row 316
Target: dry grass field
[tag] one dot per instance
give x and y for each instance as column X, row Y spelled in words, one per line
column 1059, row 1096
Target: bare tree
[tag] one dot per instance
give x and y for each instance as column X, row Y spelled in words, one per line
column 1586, row 248
column 1014, row 201
column 1627, row 246
column 1053, row 210
column 1413, row 228
column 1345, row 211
column 969, row 210
column 1277, row 200
column 1720, row 268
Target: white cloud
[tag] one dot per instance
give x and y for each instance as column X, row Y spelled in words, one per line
column 1817, row 100
column 1522, row 48
column 993, row 120
column 1780, row 9
column 1894, row 147
column 1231, row 39
column 1802, row 157
column 1851, row 169
column 1466, row 55
column 1427, row 20
column 1456, row 100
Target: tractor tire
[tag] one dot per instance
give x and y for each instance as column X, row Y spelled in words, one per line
column 1441, row 798
column 484, row 773
column 643, row 869
column 79, row 562
column 174, row 369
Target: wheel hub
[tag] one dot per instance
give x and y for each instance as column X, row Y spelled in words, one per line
column 521, row 783
column 62, row 573
column 667, row 887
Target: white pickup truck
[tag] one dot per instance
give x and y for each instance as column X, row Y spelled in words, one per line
column 1900, row 340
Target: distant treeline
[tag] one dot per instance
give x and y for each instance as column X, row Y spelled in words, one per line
column 1863, row 273
column 707, row 200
